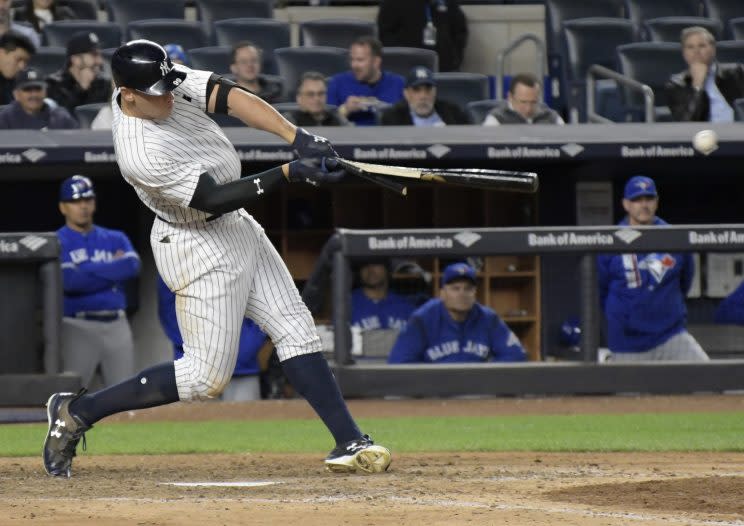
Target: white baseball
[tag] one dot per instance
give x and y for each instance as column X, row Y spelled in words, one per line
column 705, row 141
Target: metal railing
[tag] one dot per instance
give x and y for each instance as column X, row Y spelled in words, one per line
column 504, row 53
column 597, row 71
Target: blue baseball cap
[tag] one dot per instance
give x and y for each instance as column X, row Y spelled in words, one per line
column 457, row 271
column 176, row 52
column 76, row 187
column 638, row 186
column 419, row 76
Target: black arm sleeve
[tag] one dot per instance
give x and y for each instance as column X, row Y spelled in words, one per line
column 222, row 198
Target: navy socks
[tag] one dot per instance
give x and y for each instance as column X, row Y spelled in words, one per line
column 311, row 377
column 152, row 387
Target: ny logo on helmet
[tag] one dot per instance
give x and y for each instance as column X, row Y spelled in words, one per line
column 164, row 69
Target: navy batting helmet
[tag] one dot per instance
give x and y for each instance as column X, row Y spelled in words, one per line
column 145, row 66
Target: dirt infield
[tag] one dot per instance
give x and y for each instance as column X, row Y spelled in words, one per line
column 584, row 489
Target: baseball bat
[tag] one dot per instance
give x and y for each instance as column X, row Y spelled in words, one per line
column 503, row 180
column 385, row 182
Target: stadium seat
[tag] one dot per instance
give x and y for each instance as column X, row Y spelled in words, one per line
column 401, row 60
column 335, row 32
column 226, row 121
column 48, row 60
column 462, row 88
column 188, row 35
column 268, row 34
column 589, row 41
column 739, row 110
column 210, row 11
column 723, row 11
column 479, row 109
column 559, row 11
column 87, row 112
column 294, row 61
column 651, row 63
column 730, row 51
column 669, row 28
column 641, row 10
column 58, row 33
column 124, row 11
column 214, row 58
column 83, row 9
column 736, row 28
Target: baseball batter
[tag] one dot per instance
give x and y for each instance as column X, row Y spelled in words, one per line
column 211, row 254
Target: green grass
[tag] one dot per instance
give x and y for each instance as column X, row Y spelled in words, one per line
column 631, row 432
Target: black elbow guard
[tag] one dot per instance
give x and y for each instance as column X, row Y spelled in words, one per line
column 220, row 105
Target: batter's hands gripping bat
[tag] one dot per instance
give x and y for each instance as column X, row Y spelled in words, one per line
column 384, row 175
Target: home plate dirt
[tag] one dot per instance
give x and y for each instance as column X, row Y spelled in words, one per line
column 433, row 489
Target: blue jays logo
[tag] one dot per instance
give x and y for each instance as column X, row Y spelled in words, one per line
column 659, row 264
column 643, row 185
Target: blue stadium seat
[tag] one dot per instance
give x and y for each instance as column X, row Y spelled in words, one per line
column 83, row 9
column 335, row 32
column 479, row 109
column 226, row 121
column 462, row 88
column 87, row 112
column 641, row 10
column 589, row 41
column 730, row 51
column 736, row 28
column 401, row 60
column 48, row 60
column 739, row 110
column 167, row 31
column 669, row 28
column 294, row 61
column 268, row 34
column 124, row 11
column 214, row 58
column 58, row 33
column 724, row 11
column 211, row 11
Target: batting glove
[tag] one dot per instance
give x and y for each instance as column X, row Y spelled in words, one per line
column 309, row 145
column 314, row 171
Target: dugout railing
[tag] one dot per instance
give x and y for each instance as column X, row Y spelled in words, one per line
column 360, row 379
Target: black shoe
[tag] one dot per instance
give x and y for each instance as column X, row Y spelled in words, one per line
column 64, row 433
column 359, row 454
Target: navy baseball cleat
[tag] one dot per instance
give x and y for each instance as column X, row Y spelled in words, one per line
column 360, row 454
column 64, row 433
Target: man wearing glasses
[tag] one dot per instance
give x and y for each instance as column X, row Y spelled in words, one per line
column 29, row 111
column 311, row 98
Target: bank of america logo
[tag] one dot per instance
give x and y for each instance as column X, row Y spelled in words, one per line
column 627, row 235
column 438, row 150
column 33, row 155
column 33, row 243
column 467, row 239
column 572, row 149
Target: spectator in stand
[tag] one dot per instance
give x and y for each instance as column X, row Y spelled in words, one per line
column 359, row 93
column 431, row 24
column 246, row 67
column 643, row 295
column 15, row 52
column 706, row 91
column 523, row 105
column 29, row 111
column 311, row 97
column 80, row 81
column 373, row 304
column 7, row 25
column 177, row 54
column 420, row 106
column 38, row 13
column 456, row 328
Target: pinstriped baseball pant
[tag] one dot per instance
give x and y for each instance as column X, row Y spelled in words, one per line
column 222, row 271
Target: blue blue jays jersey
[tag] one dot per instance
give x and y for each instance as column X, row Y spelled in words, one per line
column 94, row 267
column 643, row 296
column 391, row 312
column 731, row 308
column 432, row 336
column 252, row 338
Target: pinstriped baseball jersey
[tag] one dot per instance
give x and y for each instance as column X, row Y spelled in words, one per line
column 220, row 270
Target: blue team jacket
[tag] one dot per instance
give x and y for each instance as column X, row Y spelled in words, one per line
column 251, row 337
column 388, row 89
column 731, row 308
column 432, row 336
column 391, row 312
column 643, row 296
column 91, row 278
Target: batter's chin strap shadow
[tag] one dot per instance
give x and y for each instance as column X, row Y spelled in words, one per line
column 220, row 104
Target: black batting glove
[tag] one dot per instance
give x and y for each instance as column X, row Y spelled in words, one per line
column 308, row 145
column 314, row 171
